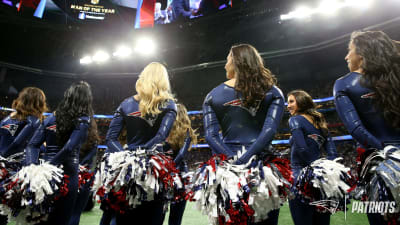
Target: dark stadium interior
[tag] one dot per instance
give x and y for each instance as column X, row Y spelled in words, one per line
column 46, row 53
column 307, row 54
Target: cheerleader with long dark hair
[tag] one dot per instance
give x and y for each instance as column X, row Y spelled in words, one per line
column 87, row 161
column 310, row 136
column 247, row 109
column 17, row 129
column 368, row 102
column 64, row 133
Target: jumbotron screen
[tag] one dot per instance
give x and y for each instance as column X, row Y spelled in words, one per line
column 169, row 11
column 139, row 13
column 77, row 11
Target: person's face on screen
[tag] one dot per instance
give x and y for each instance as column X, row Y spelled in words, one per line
column 229, row 67
column 353, row 60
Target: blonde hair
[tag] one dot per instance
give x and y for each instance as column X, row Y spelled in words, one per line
column 181, row 125
column 153, row 88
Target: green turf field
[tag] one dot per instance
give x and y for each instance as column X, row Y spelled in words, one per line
column 194, row 217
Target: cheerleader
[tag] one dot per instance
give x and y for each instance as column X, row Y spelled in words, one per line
column 148, row 118
column 247, row 108
column 87, row 159
column 17, row 128
column 64, row 132
column 368, row 98
column 309, row 136
column 179, row 142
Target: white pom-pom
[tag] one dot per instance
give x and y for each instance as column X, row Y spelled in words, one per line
column 34, row 187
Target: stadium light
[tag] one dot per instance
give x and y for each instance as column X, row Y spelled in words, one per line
column 363, row 4
column 145, row 46
column 100, row 56
column 329, row 6
column 326, row 7
column 302, row 12
column 122, row 52
column 86, row 60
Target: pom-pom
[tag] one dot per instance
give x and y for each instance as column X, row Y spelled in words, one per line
column 127, row 178
column 379, row 178
column 28, row 195
column 324, row 183
column 8, row 167
column 240, row 194
column 85, row 177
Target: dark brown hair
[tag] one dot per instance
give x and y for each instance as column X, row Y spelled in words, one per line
column 381, row 68
column 30, row 101
column 253, row 80
column 77, row 102
column 305, row 105
column 92, row 140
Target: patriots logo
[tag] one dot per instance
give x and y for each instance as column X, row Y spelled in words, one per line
column 330, row 205
column 317, row 138
column 238, row 102
column 135, row 114
column 368, row 95
column 149, row 119
column 51, row 128
column 12, row 128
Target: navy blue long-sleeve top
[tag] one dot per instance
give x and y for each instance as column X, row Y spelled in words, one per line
column 68, row 155
column 142, row 132
column 365, row 122
column 15, row 134
column 253, row 128
column 306, row 143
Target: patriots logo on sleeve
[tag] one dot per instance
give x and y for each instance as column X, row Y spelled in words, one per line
column 12, row 128
column 369, row 95
column 317, row 138
column 51, row 128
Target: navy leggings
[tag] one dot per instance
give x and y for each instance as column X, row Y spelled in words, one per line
column 149, row 213
column 176, row 213
column 305, row 214
column 81, row 201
